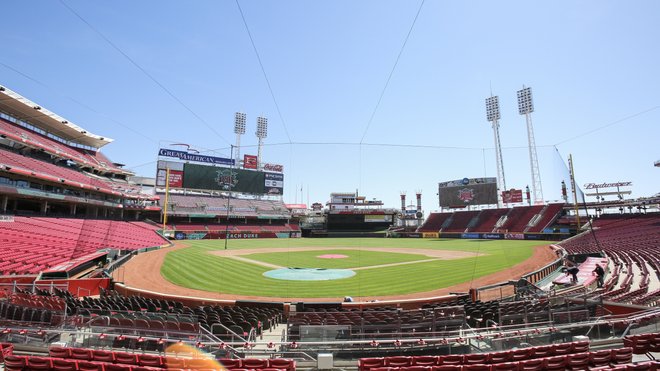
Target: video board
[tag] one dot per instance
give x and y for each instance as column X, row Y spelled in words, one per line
column 228, row 179
column 467, row 192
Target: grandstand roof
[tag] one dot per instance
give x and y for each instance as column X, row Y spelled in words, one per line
column 20, row 107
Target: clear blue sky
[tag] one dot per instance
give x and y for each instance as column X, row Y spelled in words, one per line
column 589, row 63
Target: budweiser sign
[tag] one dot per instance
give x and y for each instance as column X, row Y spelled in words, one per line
column 607, row 185
column 274, row 167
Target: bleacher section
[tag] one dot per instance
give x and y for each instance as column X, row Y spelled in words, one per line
column 487, row 220
column 566, row 356
column 434, row 222
column 29, row 245
column 632, row 242
column 531, row 219
column 86, row 158
column 198, row 204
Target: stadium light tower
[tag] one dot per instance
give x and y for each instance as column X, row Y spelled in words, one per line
column 493, row 116
column 262, row 133
column 239, row 129
column 526, row 107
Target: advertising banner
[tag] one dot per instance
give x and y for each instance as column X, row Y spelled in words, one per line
column 273, row 167
column 249, row 162
column 185, row 156
column 512, row 196
column 378, row 218
column 273, row 183
column 176, row 178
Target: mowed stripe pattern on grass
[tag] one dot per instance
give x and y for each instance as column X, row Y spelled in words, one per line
column 195, row 267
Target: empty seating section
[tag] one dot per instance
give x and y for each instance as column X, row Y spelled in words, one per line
column 36, row 140
column 518, row 218
column 549, row 214
column 487, row 220
column 196, row 204
column 459, row 221
column 29, row 245
column 82, row 359
column 434, row 222
column 251, row 228
column 632, row 242
column 53, row 173
column 157, row 317
column 575, row 355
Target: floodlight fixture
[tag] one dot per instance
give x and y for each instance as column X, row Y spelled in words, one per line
column 239, row 122
column 526, row 107
column 525, row 104
column 493, row 108
column 493, row 116
column 262, row 127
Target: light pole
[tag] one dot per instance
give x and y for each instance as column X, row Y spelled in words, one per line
column 262, row 133
column 239, row 129
column 526, row 107
column 231, row 184
column 493, row 116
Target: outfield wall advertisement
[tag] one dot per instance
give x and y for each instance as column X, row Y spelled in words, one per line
column 467, row 192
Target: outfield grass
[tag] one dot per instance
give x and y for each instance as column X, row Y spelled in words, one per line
column 196, row 268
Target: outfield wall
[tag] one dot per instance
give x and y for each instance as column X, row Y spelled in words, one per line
column 484, row 236
column 181, row 235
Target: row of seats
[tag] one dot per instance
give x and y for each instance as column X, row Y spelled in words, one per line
column 515, row 219
column 94, row 159
column 29, row 245
column 643, row 343
column 368, row 364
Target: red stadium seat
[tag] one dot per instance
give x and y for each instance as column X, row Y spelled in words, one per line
column 117, row 367
column 281, row 363
column 398, row 361
column 500, row 357
column 64, row 364
column 81, row 354
column 230, row 363
column 424, row 360
column 532, row 365
column 578, row 361
column 555, row 363
column 521, row 354
column 254, row 363
column 59, row 352
column 15, row 363
column 173, row 362
column 150, row 360
column 90, row 366
column 476, row 358
column 99, row 355
column 476, row 367
column 621, row 355
column 505, row 366
column 126, row 358
column 447, row 368
column 369, row 363
column 452, row 359
column 39, row 363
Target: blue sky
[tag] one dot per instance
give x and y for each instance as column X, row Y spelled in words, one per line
column 592, row 65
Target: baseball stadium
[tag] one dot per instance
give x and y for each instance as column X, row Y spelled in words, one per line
column 205, row 267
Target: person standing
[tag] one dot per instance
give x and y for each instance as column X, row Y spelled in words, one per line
column 600, row 272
